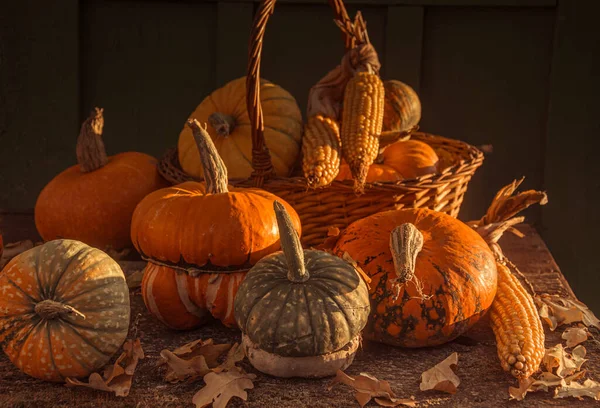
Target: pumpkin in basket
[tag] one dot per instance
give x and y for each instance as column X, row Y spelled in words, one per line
column 301, row 312
column 402, row 107
column 64, row 310
column 401, row 160
column 93, row 201
column 432, row 276
column 200, row 240
column 225, row 110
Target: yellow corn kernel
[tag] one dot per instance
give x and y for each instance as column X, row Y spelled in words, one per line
column 517, row 326
column 362, row 120
column 321, row 151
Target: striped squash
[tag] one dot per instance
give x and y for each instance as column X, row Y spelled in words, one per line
column 64, row 310
column 402, row 107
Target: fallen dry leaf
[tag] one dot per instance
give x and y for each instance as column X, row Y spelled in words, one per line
column 333, row 231
column 118, row 377
column 134, row 279
column 441, row 377
column 221, row 387
column 556, row 311
column 589, row 388
column 368, row 387
column 206, row 348
column 180, row 369
column 575, row 336
column 13, row 249
column 234, row 355
column 565, row 363
column 519, row 392
column 543, row 383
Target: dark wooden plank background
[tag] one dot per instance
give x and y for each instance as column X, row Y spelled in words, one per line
column 522, row 75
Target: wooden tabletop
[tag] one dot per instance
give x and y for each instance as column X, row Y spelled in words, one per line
column 483, row 383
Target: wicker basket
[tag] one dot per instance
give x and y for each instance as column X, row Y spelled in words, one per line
column 337, row 205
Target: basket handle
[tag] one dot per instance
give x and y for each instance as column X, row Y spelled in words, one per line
column 261, row 158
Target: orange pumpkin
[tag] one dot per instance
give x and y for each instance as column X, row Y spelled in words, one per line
column 225, row 110
column 200, row 240
column 94, row 200
column 432, row 276
column 401, row 160
column 64, row 310
column 402, row 107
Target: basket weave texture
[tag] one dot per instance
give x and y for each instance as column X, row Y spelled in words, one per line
column 338, row 205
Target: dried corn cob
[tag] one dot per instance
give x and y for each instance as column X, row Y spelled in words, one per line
column 321, row 151
column 362, row 121
column 517, row 326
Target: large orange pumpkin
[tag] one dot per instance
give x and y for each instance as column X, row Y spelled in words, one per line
column 402, row 107
column 200, row 240
column 401, row 160
column 64, row 310
column 93, row 201
column 225, row 110
column 432, row 276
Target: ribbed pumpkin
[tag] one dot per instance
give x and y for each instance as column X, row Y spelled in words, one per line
column 93, row 201
column 402, row 108
column 300, row 303
column 432, row 276
column 225, row 110
column 64, row 310
column 200, row 239
column 401, row 160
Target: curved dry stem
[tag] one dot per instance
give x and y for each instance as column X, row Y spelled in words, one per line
column 291, row 245
column 49, row 309
column 90, row 150
column 215, row 172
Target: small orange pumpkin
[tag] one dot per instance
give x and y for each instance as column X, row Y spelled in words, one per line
column 432, row 276
column 401, row 160
column 93, row 201
column 200, row 240
column 64, row 310
column 402, row 107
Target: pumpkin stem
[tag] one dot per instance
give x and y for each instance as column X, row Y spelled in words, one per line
column 222, row 124
column 91, row 154
column 290, row 244
column 49, row 309
column 215, row 172
column 406, row 241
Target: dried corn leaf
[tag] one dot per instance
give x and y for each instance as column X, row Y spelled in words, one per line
column 556, row 311
column 441, row 377
column 368, row 387
column 221, row 387
column 589, row 388
column 118, row 377
column 575, row 336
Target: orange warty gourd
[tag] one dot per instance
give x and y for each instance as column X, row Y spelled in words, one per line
column 401, row 160
column 64, row 310
column 93, row 201
column 432, row 276
column 200, row 240
column 402, row 107
column 225, row 110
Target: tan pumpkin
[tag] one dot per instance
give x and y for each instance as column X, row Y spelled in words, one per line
column 64, row 310
column 401, row 160
column 225, row 110
column 402, row 107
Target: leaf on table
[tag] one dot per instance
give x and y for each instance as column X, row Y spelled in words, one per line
column 235, row 354
column 221, row 387
column 575, row 335
column 206, row 348
column 589, row 388
column 368, row 387
column 519, row 392
column 118, row 377
column 180, row 369
column 441, row 377
column 13, row 249
column 564, row 362
column 545, row 381
column 556, row 311
column 134, row 279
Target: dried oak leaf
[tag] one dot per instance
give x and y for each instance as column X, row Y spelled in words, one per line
column 441, row 377
column 556, row 311
column 192, row 360
column 118, row 377
column 543, row 383
column 575, row 335
column 368, row 387
column 589, row 388
column 221, row 387
column 565, row 363
column 235, row 354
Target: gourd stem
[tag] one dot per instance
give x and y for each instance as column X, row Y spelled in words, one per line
column 291, row 245
column 49, row 309
column 222, row 124
column 215, row 172
column 406, row 241
column 90, row 151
